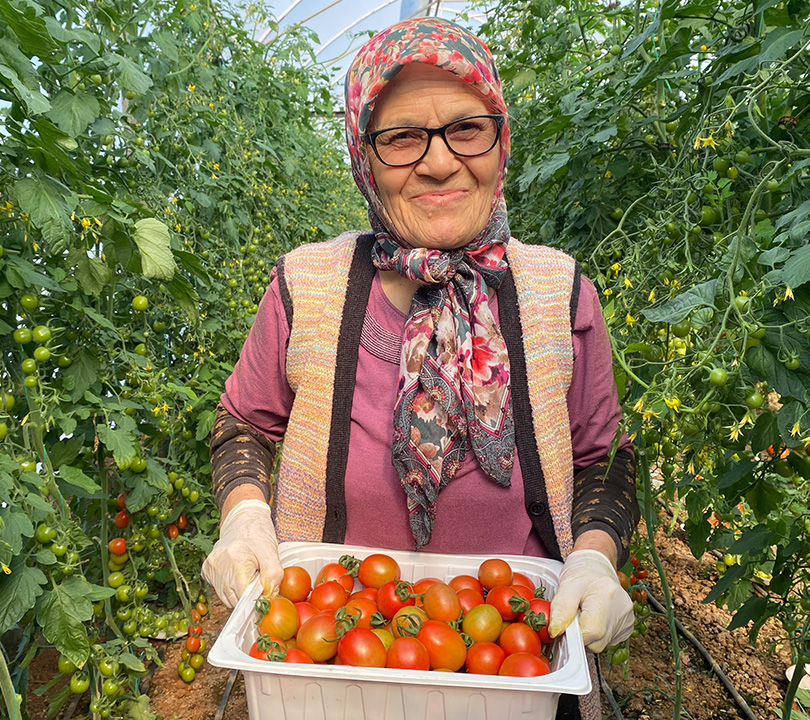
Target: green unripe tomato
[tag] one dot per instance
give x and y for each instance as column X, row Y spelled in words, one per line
column 742, row 157
column 7, row 401
column 44, row 533
column 754, row 399
column 3, row 431
column 772, row 185
column 42, row 354
column 718, row 377
column 138, row 465
column 65, row 665
column 194, row 495
column 140, row 349
column 109, row 667
column 64, row 361
column 669, row 450
column 59, row 549
column 79, row 683
column 140, row 303
column 31, row 381
column 741, row 302
column 23, row 336
column 793, row 363
column 29, row 366
column 41, row 334
column 682, row 328
column 115, row 580
column 29, row 302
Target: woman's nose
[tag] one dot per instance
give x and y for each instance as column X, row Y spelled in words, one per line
column 439, row 160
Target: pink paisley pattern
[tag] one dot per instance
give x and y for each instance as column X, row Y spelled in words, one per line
column 454, row 389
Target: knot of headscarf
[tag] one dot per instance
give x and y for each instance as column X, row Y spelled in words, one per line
column 454, row 390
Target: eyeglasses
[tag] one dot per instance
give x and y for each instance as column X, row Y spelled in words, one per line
column 468, row 137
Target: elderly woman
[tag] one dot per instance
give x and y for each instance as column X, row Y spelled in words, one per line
column 437, row 384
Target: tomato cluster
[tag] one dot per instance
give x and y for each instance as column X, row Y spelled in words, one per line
column 494, row 623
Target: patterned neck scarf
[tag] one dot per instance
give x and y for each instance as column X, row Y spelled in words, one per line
column 454, row 387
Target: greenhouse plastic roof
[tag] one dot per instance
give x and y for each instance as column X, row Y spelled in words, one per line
column 343, row 25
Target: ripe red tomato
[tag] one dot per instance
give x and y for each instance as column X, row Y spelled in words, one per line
column 641, row 573
column 305, row 610
column 335, row 571
column 121, row 500
column 445, row 646
column 193, row 643
column 378, row 569
column 469, row 598
column 390, row 598
column 624, row 581
column 317, row 637
column 500, row 597
column 295, row 655
column 460, row 582
column 173, row 531
column 420, row 587
column 360, row 647
column 519, row 637
column 279, row 618
column 296, row 584
column 363, row 609
column 117, row 546
column 519, row 578
column 121, row 519
column 329, row 595
column 484, row 658
column 441, row 603
column 525, row 665
column 268, row 648
column 494, row 572
column 537, row 618
column 370, row 593
column 182, row 521
column 408, row 653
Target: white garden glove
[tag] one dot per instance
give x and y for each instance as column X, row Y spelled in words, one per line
column 588, row 582
column 247, row 544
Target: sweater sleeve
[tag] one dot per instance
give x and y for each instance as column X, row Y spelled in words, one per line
column 604, row 498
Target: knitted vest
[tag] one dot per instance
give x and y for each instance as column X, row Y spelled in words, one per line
column 325, row 289
column 315, row 279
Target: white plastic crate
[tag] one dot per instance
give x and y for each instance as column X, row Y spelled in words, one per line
column 291, row 691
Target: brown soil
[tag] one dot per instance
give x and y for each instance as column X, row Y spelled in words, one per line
column 643, row 689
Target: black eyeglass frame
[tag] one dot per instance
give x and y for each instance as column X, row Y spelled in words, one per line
column 371, row 137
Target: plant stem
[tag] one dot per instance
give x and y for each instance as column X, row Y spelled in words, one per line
column 10, row 697
column 798, row 674
column 651, row 523
column 180, row 582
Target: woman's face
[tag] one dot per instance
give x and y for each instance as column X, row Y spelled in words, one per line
column 443, row 201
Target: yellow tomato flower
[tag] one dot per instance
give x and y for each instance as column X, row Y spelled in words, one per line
column 673, row 403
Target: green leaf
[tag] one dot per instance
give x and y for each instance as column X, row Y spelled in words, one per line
column 130, row 75
column 205, row 423
column 120, row 443
column 29, row 28
column 48, row 203
column 78, row 483
column 82, row 373
column 152, row 238
column 30, row 276
column 796, row 271
column 185, row 295
column 734, row 573
column 19, row 591
column 139, row 495
column 129, row 661
column 764, row 363
column 92, row 273
column 763, row 498
column 73, row 112
column 734, row 472
column 766, row 432
column 98, row 318
column 757, row 538
column 72, row 35
column 790, row 414
column 16, row 526
column 139, row 709
column 62, row 616
column 676, row 309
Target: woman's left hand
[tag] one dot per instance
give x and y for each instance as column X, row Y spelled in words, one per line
column 589, row 582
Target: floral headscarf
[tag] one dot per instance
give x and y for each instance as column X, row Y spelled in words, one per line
column 454, row 389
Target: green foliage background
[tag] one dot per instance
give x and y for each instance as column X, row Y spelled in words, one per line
column 154, row 150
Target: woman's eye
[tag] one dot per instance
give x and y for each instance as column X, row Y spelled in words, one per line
column 399, row 137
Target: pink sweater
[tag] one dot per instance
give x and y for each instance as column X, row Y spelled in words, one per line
column 472, row 505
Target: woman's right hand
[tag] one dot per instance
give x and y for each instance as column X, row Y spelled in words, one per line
column 247, row 544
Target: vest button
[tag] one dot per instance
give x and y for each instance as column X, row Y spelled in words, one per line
column 537, row 509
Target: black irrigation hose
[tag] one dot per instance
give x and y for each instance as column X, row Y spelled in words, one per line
column 614, row 706
column 704, row 653
column 226, row 694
